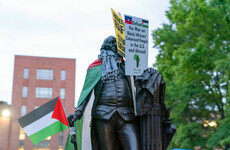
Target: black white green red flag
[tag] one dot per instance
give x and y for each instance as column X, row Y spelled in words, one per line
column 82, row 126
column 44, row 121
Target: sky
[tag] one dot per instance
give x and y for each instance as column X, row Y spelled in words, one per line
column 66, row 29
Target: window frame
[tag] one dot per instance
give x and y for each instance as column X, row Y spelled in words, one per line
column 25, row 89
column 44, row 74
column 63, row 75
column 39, row 93
column 26, row 73
column 23, row 110
column 62, row 96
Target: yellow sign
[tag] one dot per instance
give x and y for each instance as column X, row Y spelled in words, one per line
column 120, row 33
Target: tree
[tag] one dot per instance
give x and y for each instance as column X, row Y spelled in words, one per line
column 194, row 59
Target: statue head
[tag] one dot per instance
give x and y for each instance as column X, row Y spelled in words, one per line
column 110, row 58
column 110, row 44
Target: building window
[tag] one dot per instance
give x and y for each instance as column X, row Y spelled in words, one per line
column 44, row 74
column 63, row 75
column 24, row 91
column 22, row 137
column 60, row 140
column 43, row 92
column 26, row 73
column 62, row 93
column 43, row 145
column 23, row 110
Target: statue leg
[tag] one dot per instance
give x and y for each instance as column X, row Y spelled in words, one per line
column 128, row 135
column 106, row 134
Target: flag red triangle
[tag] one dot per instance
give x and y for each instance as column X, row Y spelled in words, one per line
column 59, row 113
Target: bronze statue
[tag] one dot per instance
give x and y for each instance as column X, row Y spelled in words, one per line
column 114, row 124
column 113, row 115
column 156, row 129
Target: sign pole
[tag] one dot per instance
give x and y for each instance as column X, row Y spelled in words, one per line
column 133, row 87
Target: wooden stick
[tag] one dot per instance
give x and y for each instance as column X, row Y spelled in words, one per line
column 134, row 94
column 58, row 91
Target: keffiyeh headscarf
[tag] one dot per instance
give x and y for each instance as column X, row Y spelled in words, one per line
column 110, row 58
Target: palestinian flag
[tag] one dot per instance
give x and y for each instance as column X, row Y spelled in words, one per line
column 145, row 23
column 82, row 126
column 44, row 121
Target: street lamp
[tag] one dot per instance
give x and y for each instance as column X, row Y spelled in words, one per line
column 6, row 113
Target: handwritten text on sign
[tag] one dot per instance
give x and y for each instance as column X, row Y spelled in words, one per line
column 120, row 33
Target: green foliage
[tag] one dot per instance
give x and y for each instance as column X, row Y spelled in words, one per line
column 193, row 130
column 221, row 137
column 194, row 59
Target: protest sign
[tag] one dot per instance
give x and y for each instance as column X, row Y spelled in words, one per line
column 120, row 33
column 136, row 45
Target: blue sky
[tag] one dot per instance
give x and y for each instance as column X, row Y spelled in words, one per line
column 65, row 29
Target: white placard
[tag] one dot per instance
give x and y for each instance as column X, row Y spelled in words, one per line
column 136, row 45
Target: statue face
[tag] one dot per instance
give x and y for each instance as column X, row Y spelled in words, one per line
column 114, row 45
column 110, row 44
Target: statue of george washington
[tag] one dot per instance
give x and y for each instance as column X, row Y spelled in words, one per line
column 114, row 125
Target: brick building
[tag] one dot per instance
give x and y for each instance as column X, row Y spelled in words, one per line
column 36, row 81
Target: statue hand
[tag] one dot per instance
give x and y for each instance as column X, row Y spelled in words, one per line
column 74, row 116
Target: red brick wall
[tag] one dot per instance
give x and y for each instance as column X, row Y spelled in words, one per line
column 34, row 63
